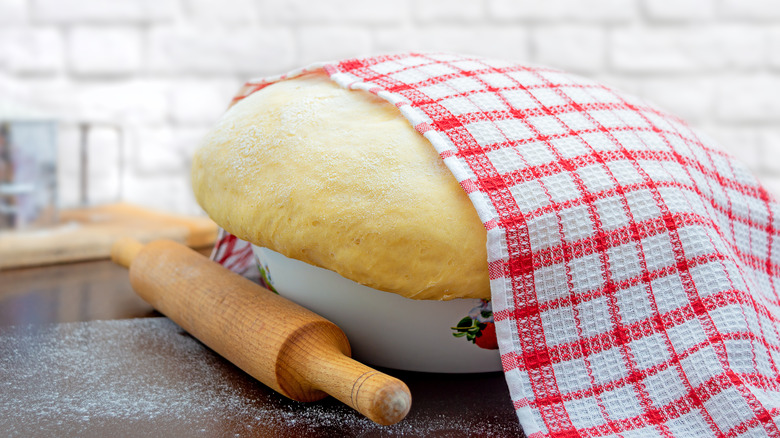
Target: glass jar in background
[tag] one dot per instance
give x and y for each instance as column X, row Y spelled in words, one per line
column 28, row 168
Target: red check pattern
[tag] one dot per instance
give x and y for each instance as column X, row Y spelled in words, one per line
column 234, row 254
column 634, row 266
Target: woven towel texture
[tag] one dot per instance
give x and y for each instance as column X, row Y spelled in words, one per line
column 634, row 265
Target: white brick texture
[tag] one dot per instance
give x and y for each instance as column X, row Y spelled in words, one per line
column 151, row 76
column 679, row 11
column 774, row 48
column 749, row 98
column 461, row 11
column 200, row 102
column 104, row 51
column 220, row 50
column 492, row 41
column 770, row 143
column 101, row 11
column 122, row 102
column 694, row 49
column 692, row 101
column 364, row 12
column 325, row 43
column 157, row 150
column 31, row 50
column 578, row 48
column 602, row 11
column 761, row 10
column 225, row 12
column 13, row 11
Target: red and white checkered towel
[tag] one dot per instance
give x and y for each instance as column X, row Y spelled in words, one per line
column 634, row 266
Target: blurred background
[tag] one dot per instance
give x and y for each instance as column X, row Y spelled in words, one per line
column 133, row 85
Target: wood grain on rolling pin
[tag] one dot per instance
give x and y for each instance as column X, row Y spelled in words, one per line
column 291, row 349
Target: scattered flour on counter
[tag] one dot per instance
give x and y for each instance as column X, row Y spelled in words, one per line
column 85, row 379
column 133, row 370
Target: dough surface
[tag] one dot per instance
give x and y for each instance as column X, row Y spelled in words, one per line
column 339, row 179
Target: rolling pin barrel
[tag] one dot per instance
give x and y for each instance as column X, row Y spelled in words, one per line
column 291, row 349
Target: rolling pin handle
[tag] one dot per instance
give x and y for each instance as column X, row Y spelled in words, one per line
column 124, row 250
column 381, row 398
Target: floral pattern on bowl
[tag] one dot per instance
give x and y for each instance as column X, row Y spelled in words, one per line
column 265, row 275
column 478, row 327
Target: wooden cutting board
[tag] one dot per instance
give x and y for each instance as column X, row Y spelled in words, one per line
column 85, row 234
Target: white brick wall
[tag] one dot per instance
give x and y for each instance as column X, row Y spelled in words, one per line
column 105, row 51
column 184, row 49
column 552, row 11
column 574, row 47
column 65, row 12
column 13, row 11
column 696, row 49
column 679, row 11
column 363, row 12
column 319, row 42
column 31, row 51
column 150, row 76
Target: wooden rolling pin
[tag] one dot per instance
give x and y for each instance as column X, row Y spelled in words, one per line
column 296, row 352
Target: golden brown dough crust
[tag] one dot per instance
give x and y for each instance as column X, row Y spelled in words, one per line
column 339, row 179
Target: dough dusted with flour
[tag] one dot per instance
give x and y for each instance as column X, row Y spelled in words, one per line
column 339, row 179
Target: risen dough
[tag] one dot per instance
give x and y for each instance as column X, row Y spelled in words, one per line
column 339, row 179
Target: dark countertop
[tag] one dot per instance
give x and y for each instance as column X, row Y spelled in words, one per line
column 82, row 355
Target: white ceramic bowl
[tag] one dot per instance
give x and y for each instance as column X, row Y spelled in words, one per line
column 384, row 329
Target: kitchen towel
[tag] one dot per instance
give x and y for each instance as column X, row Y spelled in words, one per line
column 634, row 265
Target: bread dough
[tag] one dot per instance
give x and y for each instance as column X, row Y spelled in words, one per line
column 339, row 179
